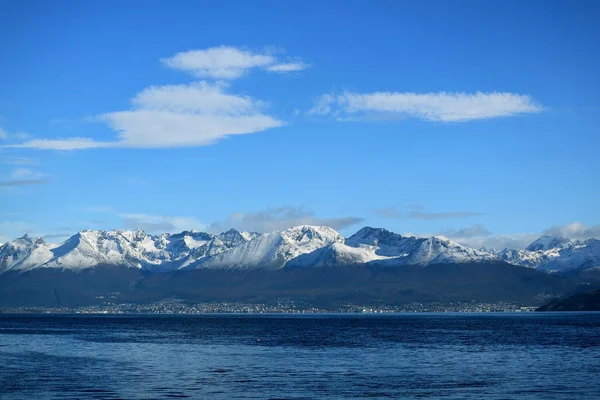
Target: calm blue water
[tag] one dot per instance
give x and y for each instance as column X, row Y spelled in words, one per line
column 486, row 356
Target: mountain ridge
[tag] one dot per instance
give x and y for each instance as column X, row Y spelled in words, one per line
column 303, row 246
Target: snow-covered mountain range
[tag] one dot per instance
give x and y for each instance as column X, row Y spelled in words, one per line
column 298, row 247
column 551, row 253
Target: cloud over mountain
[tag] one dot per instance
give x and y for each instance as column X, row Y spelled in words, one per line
column 574, row 230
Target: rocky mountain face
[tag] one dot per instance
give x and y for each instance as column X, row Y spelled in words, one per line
column 298, row 247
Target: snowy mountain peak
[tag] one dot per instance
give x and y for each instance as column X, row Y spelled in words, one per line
column 189, row 234
column 442, row 238
column 388, row 248
column 273, row 250
column 491, row 250
column 387, row 243
column 548, row 242
column 308, row 233
column 369, row 235
column 335, row 254
column 26, row 240
column 249, row 235
column 232, row 238
column 24, row 253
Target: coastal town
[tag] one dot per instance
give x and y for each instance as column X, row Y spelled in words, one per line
column 283, row 306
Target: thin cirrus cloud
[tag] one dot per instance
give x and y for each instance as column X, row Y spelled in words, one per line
column 76, row 143
column 439, row 107
column 226, row 62
column 288, row 67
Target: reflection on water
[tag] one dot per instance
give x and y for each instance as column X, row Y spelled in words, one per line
column 494, row 356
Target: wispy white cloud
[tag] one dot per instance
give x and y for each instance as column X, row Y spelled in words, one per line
column 200, row 96
column 288, row 67
column 194, row 114
column 226, row 62
column 76, row 143
column 324, row 105
column 278, row 219
column 160, row 224
column 3, row 134
column 440, row 106
column 167, row 117
column 218, row 62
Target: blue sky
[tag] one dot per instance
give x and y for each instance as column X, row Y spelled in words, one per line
column 476, row 120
